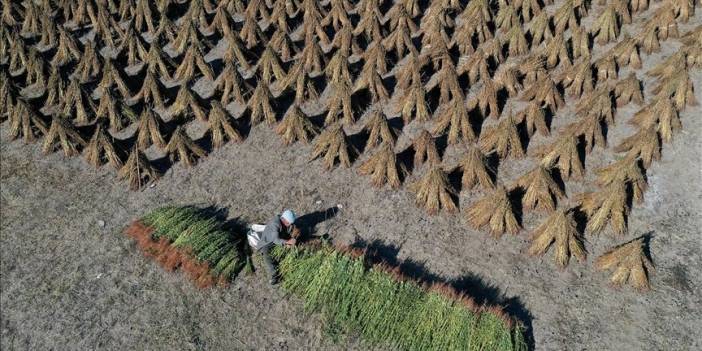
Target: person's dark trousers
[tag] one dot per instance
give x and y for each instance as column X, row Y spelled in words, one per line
column 270, row 265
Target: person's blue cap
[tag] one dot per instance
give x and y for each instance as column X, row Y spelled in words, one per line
column 288, row 216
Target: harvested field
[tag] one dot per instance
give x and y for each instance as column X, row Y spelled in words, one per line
column 528, row 153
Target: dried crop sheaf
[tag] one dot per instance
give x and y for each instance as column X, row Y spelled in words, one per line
column 260, row 105
column 452, row 118
column 608, row 205
column 379, row 129
column 187, row 104
column 332, row 144
column 182, row 148
column 102, row 149
column 221, row 125
column 661, row 114
column 193, row 59
column 630, row 263
column 475, row 170
column 149, row 131
column 563, row 154
column 644, row 144
column 503, row 139
column 137, row 170
column 383, row 167
column 231, row 85
column 25, row 122
column 424, row 147
column 76, row 102
column 339, row 105
column 534, row 119
column 629, row 90
column 560, row 231
column 433, row 191
column 494, row 210
column 62, row 135
column 150, row 92
column 541, row 191
column 295, row 126
column 627, row 171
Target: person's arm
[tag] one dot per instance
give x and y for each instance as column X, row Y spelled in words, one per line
column 272, row 232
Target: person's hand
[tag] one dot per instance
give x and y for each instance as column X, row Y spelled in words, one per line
column 291, row 242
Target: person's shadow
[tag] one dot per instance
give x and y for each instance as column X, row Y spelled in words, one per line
column 307, row 223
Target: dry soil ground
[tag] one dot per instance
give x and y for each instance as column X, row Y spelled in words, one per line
column 70, row 280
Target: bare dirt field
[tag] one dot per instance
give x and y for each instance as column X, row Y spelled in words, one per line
column 70, row 279
column 68, row 282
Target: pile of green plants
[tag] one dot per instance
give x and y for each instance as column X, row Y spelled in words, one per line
column 385, row 310
column 201, row 235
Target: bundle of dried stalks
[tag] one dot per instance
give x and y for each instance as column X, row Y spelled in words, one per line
column 447, row 81
column 193, row 59
column 295, row 126
column 89, row 65
column 48, row 31
column 606, row 68
column 580, row 42
column 649, row 41
column 269, row 66
column 598, row 103
column 150, row 92
column 382, row 166
column 55, row 88
column 487, row 98
column 628, row 90
column 541, row 191
column 496, row 211
column 402, row 27
column 534, row 119
column 221, row 125
column 556, row 52
column 378, row 128
column 370, row 79
column 337, row 16
column 67, row 49
column 108, row 110
column 235, row 53
column 25, row 122
column 339, row 105
column 149, row 130
column 333, row 144
column 679, row 87
column 517, row 43
column 133, row 45
column 591, row 129
column 312, row 58
column 187, row 104
column 413, row 104
column 182, row 147
column 566, row 16
column 664, row 18
column 111, row 76
column 539, row 29
column 544, row 92
column 644, row 144
column 473, row 22
column 62, row 135
column 502, row 138
column 625, row 171
column 507, row 17
column 454, row 117
column 607, row 25
column 661, row 114
column 475, row 170
column 563, row 154
column 626, row 52
column 137, row 170
column 260, row 105
column 559, row 229
column 424, row 147
column 304, row 87
column 630, row 263
column 186, row 36
column 345, row 42
column 608, row 205
column 433, row 191
column 76, row 102
column 283, row 45
column 102, row 149
column 231, row 84
column 337, row 71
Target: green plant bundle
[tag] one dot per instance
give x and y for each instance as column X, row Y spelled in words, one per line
column 201, row 235
column 387, row 311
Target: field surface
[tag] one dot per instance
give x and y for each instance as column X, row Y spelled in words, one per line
column 70, row 279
